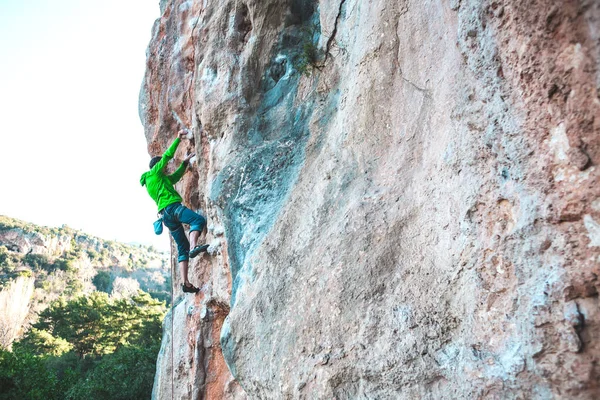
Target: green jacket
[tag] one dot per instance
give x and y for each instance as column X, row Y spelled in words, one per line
column 160, row 186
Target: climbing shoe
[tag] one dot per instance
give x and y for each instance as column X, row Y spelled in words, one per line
column 197, row 250
column 190, row 289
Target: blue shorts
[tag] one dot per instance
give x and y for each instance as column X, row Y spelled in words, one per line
column 176, row 214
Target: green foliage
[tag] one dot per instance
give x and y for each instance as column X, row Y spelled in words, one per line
column 121, row 366
column 99, row 251
column 7, row 223
column 103, row 281
column 39, row 262
column 309, row 55
column 63, row 264
column 74, row 287
column 25, row 273
column 127, row 374
column 308, row 58
column 163, row 296
column 90, row 347
column 8, row 260
column 5, row 259
column 104, row 256
column 40, row 342
column 93, row 255
column 25, row 376
column 97, row 325
column 69, row 260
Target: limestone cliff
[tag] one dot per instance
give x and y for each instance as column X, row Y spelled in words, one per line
column 403, row 197
column 15, row 304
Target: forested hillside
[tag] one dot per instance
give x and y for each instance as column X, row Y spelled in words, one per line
column 39, row 264
column 73, row 309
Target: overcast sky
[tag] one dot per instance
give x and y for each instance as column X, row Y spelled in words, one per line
column 72, row 147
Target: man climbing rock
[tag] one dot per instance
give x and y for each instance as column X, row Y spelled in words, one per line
column 160, row 188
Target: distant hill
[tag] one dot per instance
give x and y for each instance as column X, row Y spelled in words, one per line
column 39, row 264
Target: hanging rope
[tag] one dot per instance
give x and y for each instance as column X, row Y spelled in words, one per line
column 172, row 332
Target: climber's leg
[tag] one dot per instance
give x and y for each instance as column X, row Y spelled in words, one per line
column 196, row 221
column 197, row 227
column 187, row 286
column 183, row 252
column 183, row 247
column 194, row 237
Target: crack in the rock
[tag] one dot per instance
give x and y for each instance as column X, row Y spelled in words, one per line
column 401, row 13
column 420, row 89
column 397, row 46
column 334, row 32
column 426, row 92
column 192, row 84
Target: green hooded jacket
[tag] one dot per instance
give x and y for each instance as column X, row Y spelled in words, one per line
column 160, row 186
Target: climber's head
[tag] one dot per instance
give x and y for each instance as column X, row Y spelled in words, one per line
column 154, row 161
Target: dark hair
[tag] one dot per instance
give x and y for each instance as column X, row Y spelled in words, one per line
column 154, row 161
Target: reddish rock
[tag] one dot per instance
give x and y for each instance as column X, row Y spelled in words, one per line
column 409, row 209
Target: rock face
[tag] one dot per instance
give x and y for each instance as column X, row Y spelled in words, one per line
column 14, row 306
column 403, row 197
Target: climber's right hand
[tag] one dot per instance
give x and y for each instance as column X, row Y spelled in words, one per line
column 182, row 134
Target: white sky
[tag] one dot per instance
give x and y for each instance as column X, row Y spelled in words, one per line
column 72, row 147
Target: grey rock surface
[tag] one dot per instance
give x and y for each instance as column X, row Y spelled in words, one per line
column 409, row 192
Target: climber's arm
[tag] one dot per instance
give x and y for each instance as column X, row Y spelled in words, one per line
column 167, row 156
column 177, row 175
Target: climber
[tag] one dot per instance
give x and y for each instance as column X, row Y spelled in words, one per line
column 173, row 213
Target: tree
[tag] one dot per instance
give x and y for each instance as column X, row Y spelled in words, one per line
column 102, row 281
column 38, row 262
column 78, row 321
column 121, row 335
column 97, row 325
column 135, row 320
column 40, row 342
column 127, row 374
column 25, row 376
column 6, row 262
